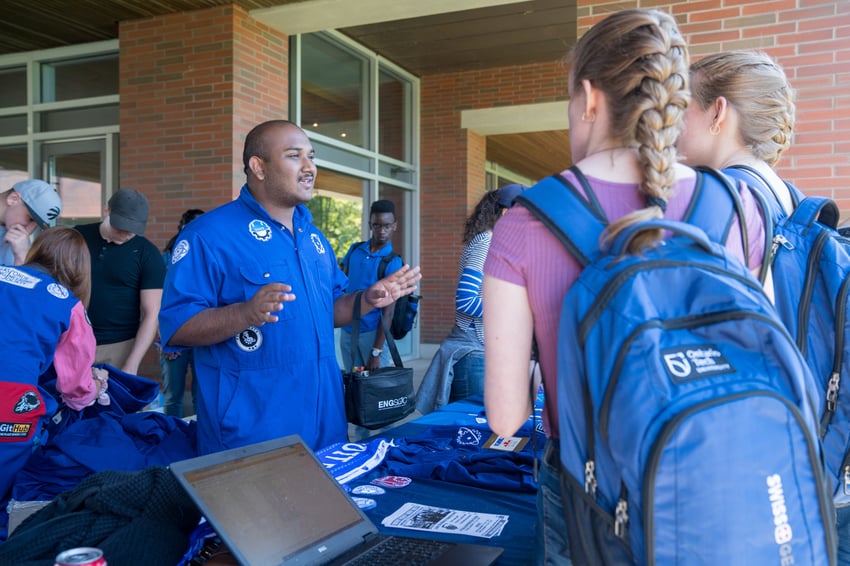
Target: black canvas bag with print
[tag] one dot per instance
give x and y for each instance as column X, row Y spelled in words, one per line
column 375, row 399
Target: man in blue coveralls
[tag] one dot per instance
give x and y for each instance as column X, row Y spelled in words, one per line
column 255, row 288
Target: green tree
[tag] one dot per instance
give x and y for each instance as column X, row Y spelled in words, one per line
column 339, row 219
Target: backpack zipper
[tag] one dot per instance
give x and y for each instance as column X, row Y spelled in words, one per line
column 779, row 240
column 613, row 286
column 808, row 289
column 834, row 385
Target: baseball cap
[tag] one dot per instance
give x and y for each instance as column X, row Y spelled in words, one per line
column 41, row 199
column 128, row 211
column 508, row 193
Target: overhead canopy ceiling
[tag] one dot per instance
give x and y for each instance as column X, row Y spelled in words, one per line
column 443, row 35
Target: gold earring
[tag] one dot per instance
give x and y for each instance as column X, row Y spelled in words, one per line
column 585, row 117
column 714, row 129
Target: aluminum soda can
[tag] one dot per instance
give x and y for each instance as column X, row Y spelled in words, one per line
column 84, row 556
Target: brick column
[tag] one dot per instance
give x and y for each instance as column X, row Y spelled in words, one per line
column 192, row 85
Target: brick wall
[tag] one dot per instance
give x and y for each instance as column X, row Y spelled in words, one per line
column 452, row 176
column 192, row 85
column 811, row 40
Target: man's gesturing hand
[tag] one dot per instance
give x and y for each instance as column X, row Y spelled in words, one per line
column 267, row 301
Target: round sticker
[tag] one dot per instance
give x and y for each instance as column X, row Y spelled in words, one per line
column 364, row 502
column 368, row 490
column 392, row 482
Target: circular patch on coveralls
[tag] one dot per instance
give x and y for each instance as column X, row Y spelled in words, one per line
column 58, row 291
column 260, row 230
column 250, row 339
column 180, row 250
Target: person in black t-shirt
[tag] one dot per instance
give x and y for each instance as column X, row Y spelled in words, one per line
column 127, row 278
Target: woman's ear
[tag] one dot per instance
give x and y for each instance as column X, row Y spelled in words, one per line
column 590, row 97
column 721, row 109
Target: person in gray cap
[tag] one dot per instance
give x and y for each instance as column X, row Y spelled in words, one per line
column 26, row 207
column 127, row 279
column 457, row 369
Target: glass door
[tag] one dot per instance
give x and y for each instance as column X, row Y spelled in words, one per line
column 78, row 170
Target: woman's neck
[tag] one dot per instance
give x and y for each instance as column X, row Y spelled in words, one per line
column 616, row 164
column 742, row 156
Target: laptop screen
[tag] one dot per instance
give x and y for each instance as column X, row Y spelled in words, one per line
column 271, row 501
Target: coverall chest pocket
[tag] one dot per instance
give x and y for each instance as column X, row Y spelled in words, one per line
column 254, row 277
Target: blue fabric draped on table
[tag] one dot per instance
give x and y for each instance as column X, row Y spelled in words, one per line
column 444, row 455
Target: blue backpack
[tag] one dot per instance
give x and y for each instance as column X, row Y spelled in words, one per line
column 688, row 427
column 811, row 278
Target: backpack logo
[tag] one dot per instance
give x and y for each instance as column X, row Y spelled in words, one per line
column 694, row 362
column 29, row 401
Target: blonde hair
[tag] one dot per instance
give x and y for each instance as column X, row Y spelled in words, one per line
column 63, row 252
column 756, row 86
column 639, row 60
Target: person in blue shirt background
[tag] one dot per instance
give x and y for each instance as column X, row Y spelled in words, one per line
column 255, row 289
column 175, row 365
column 362, row 265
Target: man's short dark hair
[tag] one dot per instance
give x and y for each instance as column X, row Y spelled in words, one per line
column 255, row 141
column 380, row 206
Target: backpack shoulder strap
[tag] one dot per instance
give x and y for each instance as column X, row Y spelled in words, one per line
column 592, row 201
column 816, row 209
column 757, row 182
column 346, row 260
column 562, row 209
column 714, row 211
column 385, row 261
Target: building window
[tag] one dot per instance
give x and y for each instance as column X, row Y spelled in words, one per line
column 82, row 77
column 332, row 91
column 14, row 91
column 361, row 113
column 59, row 122
column 497, row 176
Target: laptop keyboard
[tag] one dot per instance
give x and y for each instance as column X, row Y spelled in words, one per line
column 394, row 551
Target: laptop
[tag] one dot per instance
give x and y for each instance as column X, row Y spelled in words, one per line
column 273, row 503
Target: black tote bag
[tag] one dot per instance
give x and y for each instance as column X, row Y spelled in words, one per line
column 375, row 399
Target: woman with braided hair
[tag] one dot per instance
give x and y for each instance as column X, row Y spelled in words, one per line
column 741, row 121
column 742, row 114
column 628, row 91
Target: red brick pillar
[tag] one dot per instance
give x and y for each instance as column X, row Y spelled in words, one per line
column 192, row 85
